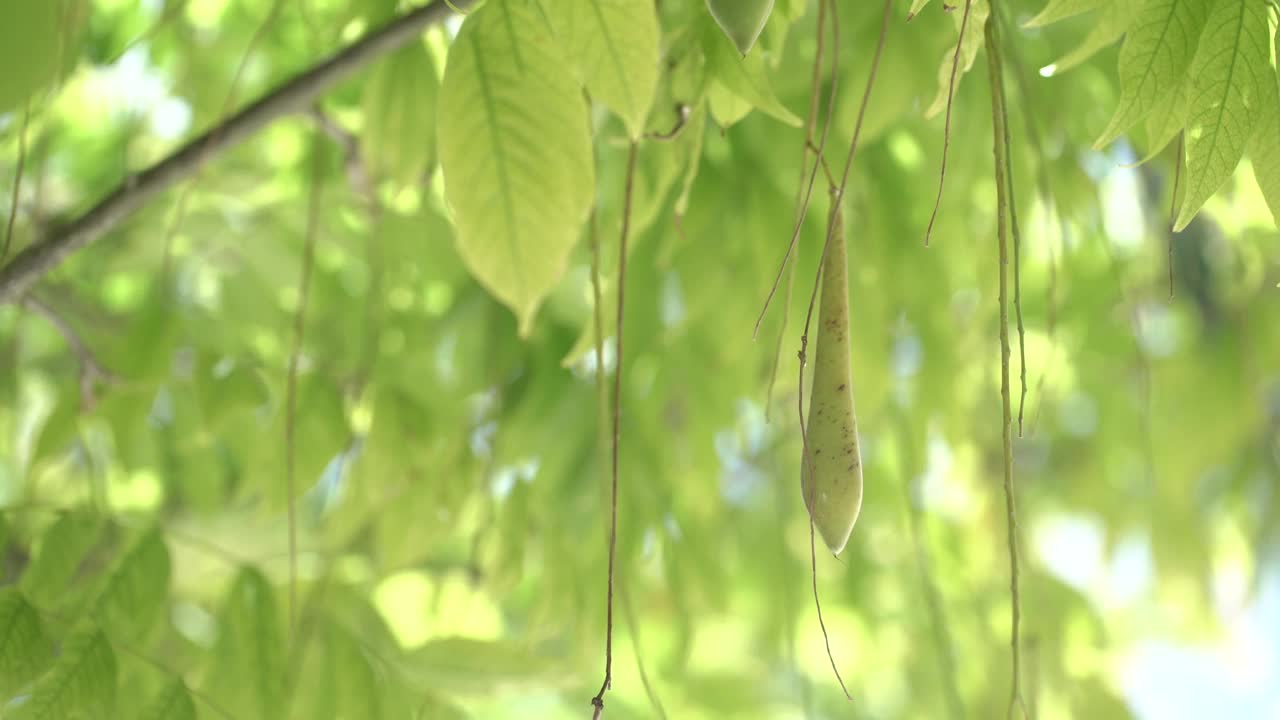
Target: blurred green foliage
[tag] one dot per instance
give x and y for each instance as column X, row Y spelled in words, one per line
column 452, row 460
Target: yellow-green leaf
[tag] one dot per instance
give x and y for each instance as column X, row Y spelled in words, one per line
column 613, row 44
column 172, row 703
column 516, row 152
column 31, row 48
column 969, row 46
column 1158, row 48
column 61, row 550
column 135, row 591
column 82, row 683
column 916, row 7
column 1167, row 120
column 1106, row 29
column 25, row 651
column 1056, row 10
column 1229, row 73
column 745, row 77
column 247, row 675
column 399, row 107
column 1264, row 151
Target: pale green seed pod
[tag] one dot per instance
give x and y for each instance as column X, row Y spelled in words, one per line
column 833, row 491
column 741, row 20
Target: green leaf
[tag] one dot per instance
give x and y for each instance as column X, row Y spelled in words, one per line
column 61, row 550
column 460, row 664
column 614, row 46
column 916, row 7
column 1057, row 10
column 25, row 651
column 399, row 103
column 248, row 664
column 1167, row 119
column 82, row 684
column 1264, row 151
column 1107, row 28
column 31, row 40
column 1229, row 71
column 516, row 153
column 744, row 77
column 136, row 590
column 1158, row 48
column 969, row 46
column 172, row 703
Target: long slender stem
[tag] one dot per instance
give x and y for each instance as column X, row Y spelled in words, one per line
column 28, row 266
column 946, row 131
column 291, row 386
column 999, row 118
column 598, row 700
column 1017, row 253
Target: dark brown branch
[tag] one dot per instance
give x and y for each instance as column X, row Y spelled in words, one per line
column 28, row 266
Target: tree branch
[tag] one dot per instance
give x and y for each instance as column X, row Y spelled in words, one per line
column 28, row 266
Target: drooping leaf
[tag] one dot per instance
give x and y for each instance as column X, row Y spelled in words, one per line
column 81, row 684
column 61, row 550
column 1230, row 71
column 25, row 651
column 1167, row 119
column 399, row 105
column 1108, row 27
column 969, row 46
column 1158, row 48
column 747, row 78
column 516, row 153
column 916, row 7
column 34, row 37
column 137, row 588
column 247, row 672
column 173, row 702
column 1264, row 151
column 613, row 45
column 1056, row 10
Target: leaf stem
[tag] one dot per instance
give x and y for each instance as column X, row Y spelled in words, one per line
column 999, row 118
column 598, row 701
column 946, row 131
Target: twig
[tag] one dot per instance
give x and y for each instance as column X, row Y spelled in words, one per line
column 28, row 266
column 17, row 181
column 999, row 119
column 291, row 386
column 815, row 90
column 1017, row 253
column 682, row 117
column 946, row 131
column 91, row 371
column 598, row 700
column 639, row 653
column 813, row 174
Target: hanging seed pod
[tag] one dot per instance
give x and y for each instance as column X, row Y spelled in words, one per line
column 741, row 20
column 831, row 477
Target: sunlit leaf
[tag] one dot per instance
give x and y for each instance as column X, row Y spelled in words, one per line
column 1264, row 151
column 514, row 145
column 1158, row 48
column 614, row 47
column 969, row 46
column 1056, row 10
column 1230, row 71
column 745, row 79
column 1108, row 27
column 247, row 671
column 136, row 589
column 61, row 550
column 25, row 651
column 399, row 103
column 173, row 702
column 81, row 684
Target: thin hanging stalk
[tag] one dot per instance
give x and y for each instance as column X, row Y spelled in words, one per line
column 291, row 383
column 999, row 119
column 598, row 701
column 946, row 130
column 815, row 90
